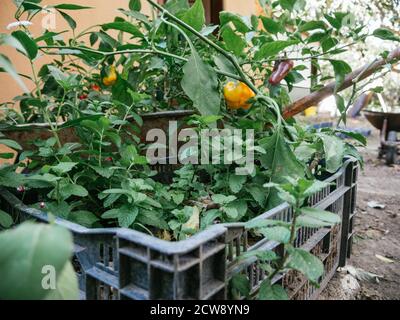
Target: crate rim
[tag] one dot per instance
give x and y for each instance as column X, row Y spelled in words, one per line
column 172, row 248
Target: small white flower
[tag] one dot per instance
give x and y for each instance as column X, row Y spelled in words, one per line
column 16, row 24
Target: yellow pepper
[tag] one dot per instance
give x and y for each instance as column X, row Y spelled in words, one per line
column 111, row 77
column 237, row 95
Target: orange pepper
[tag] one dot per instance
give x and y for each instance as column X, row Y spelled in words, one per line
column 111, row 78
column 237, row 95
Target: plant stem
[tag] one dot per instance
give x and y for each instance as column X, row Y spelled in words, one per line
column 283, row 261
column 45, row 114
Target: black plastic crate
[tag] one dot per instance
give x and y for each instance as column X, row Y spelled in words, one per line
column 121, row 263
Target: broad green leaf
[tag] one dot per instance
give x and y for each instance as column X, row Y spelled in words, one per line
column 25, row 253
column 135, row 5
column 195, row 16
column 61, row 209
column 68, row 189
column 67, row 6
column 222, row 199
column 236, row 182
column 27, row 42
column 341, row 69
column 200, row 83
column 209, row 217
column 241, row 283
column 7, row 156
column 104, row 172
column 71, row 22
column 309, row 222
column 233, row 41
column 6, row 220
column 11, row 144
column 11, row 179
column 280, row 162
column 176, row 6
column 67, row 285
column 271, row 292
column 64, row 167
column 328, row 43
column 306, row 263
column 258, row 193
column 111, row 214
column 178, row 198
column 262, row 255
column 235, row 210
column 334, row 149
column 258, row 223
column 312, row 25
column 271, row 25
column 305, row 151
column 278, row 234
column 84, row 218
column 123, row 26
column 386, row 34
column 239, row 22
column 288, row 4
column 323, row 215
column 341, row 105
column 354, row 135
column 314, row 187
column 270, row 49
column 333, row 21
column 126, row 215
column 224, row 64
column 194, row 221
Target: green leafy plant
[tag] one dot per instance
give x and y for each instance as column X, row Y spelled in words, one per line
column 27, row 253
column 295, row 192
column 103, row 79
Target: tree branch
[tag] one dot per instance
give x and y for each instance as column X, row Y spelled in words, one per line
column 359, row 75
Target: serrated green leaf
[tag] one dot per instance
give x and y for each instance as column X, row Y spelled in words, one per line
column 11, row 144
column 233, row 41
column 195, row 16
column 25, row 251
column 236, row 183
column 123, row 26
column 341, row 69
column 386, row 34
column 278, row 234
column 241, row 283
column 200, row 83
column 271, row 292
column 306, row 263
column 6, row 220
column 334, row 149
column 323, row 215
column 27, row 42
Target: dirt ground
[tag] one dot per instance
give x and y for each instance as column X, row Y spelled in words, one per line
column 377, row 242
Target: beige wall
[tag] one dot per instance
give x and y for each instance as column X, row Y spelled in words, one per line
column 243, row 7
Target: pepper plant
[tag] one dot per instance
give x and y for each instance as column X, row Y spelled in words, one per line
column 237, row 75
